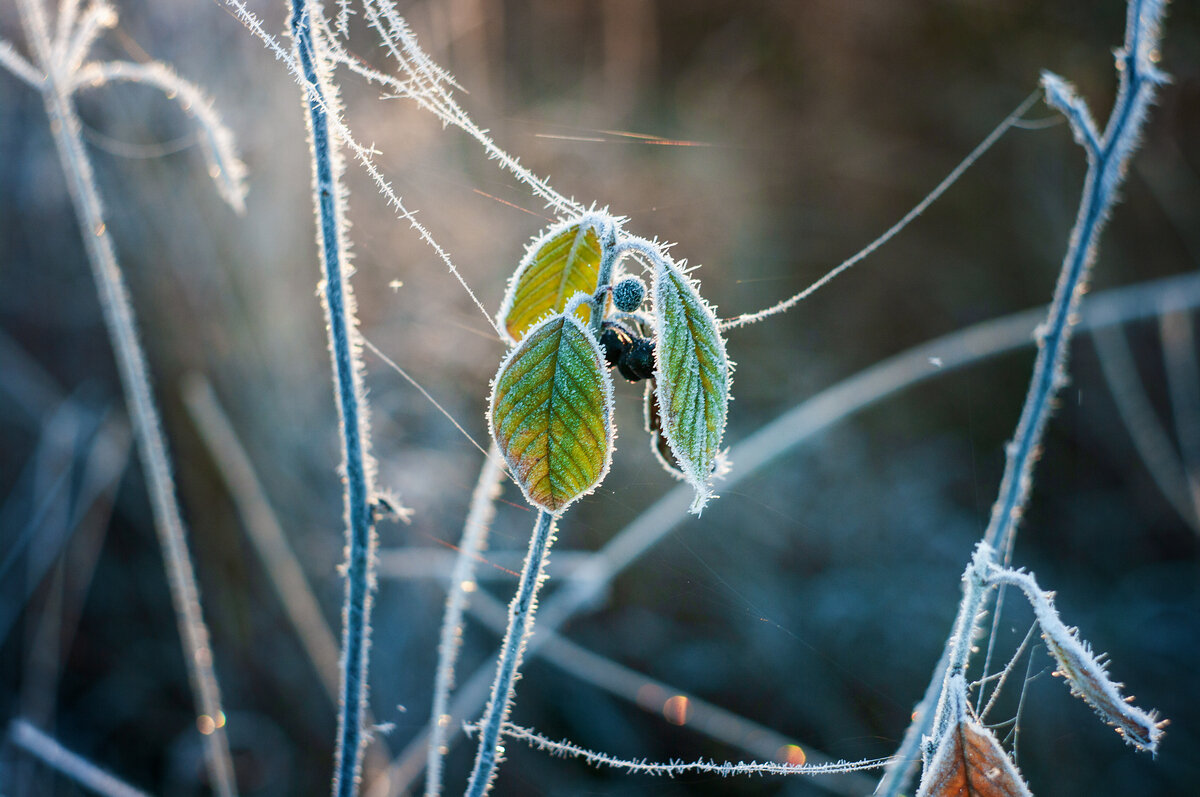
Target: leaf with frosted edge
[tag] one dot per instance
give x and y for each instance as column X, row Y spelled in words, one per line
column 653, row 426
column 969, row 762
column 691, row 375
column 561, row 263
column 551, row 413
column 1084, row 671
column 1086, row 675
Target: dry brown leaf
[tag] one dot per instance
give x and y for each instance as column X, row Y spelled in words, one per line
column 969, row 762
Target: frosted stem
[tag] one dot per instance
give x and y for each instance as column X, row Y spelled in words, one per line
column 520, row 624
column 1106, row 168
column 328, row 198
column 135, row 380
column 474, row 538
column 672, row 768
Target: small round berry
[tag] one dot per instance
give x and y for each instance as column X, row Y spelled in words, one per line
column 614, row 340
column 637, row 362
column 628, row 294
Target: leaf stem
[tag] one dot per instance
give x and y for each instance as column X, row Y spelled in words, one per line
column 520, row 624
column 609, row 253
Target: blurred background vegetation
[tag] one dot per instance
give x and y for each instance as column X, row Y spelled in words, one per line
column 814, row 598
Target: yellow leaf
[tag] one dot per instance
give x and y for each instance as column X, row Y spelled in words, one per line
column 563, row 262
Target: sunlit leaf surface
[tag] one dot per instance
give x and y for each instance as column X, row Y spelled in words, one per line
column 565, row 262
column 551, row 413
column 692, row 376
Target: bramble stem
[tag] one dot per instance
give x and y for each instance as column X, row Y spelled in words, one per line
column 328, row 198
column 608, row 260
column 520, row 623
column 1107, row 156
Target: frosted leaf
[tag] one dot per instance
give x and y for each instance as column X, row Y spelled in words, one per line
column 692, row 377
column 551, row 413
column 969, row 762
column 562, row 262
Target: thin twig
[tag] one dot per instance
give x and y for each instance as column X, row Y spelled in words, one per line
column 1001, row 677
column 264, row 530
column 86, row 509
column 224, row 167
column 950, row 179
column 650, row 695
column 18, row 65
column 673, row 768
column 280, row 561
column 428, row 80
column 363, row 154
column 73, row 765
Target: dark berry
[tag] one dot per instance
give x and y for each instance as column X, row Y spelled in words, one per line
column 614, row 340
column 638, row 360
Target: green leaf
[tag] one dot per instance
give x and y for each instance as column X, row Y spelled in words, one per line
column 692, row 377
column 563, row 262
column 551, row 413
